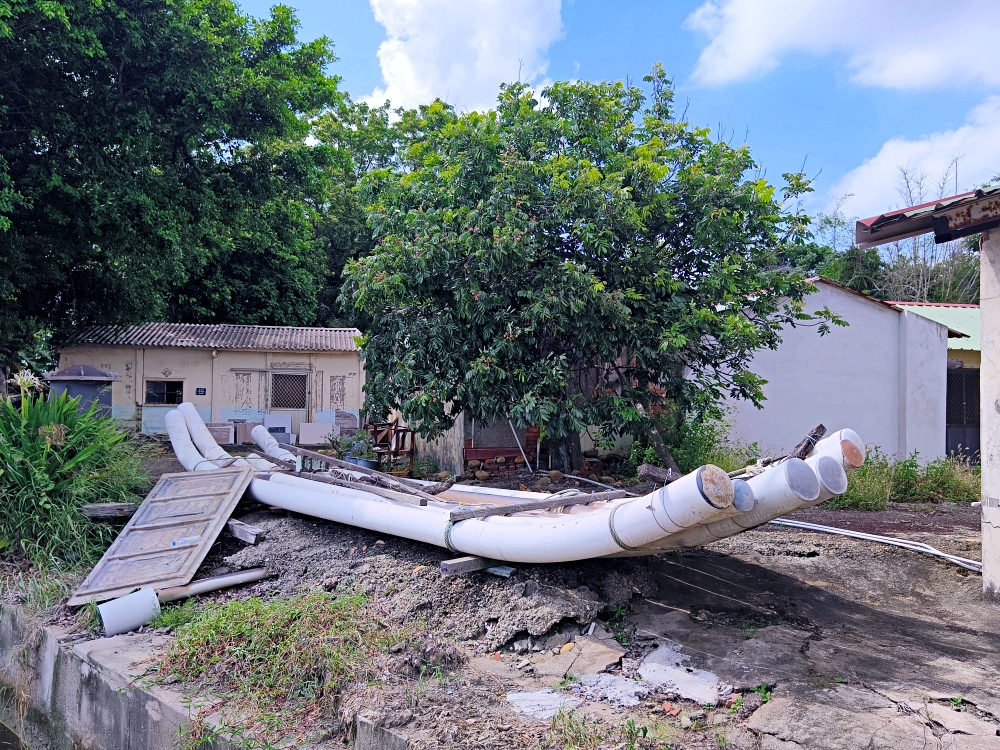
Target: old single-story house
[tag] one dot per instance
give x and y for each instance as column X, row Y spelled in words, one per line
column 229, row 372
column 964, row 360
column 885, row 376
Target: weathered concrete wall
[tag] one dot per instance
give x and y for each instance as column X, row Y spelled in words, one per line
column 84, row 696
column 852, row 377
column 923, row 385
column 989, row 405
column 236, row 384
column 61, row 694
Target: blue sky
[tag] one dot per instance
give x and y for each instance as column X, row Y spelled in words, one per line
column 855, row 88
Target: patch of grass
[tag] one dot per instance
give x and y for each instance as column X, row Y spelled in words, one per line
column 882, row 479
column 737, row 705
column 279, row 664
column 37, row 590
column 176, row 615
column 748, row 628
column 576, row 731
column 424, row 467
column 52, row 461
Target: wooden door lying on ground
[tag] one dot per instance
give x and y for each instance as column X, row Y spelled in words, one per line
column 169, row 536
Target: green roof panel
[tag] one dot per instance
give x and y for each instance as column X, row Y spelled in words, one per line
column 962, row 318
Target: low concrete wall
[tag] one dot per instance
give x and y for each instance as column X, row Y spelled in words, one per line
column 87, row 695
column 64, row 694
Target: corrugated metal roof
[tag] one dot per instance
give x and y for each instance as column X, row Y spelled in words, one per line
column 949, row 218
column 964, row 318
column 195, row 336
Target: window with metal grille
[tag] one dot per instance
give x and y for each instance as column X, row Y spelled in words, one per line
column 289, row 390
column 962, row 406
column 164, row 391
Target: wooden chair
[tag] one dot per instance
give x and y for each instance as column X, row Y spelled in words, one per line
column 392, row 441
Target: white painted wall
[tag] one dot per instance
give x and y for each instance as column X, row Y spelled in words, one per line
column 884, row 376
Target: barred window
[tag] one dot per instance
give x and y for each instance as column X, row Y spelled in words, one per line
column 289, row 390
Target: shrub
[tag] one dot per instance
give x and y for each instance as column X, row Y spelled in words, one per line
column 704, row 439
column 882, row 479
column 53, row 460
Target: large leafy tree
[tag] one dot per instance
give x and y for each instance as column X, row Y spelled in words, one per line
column 143, row 150
column 592, row 260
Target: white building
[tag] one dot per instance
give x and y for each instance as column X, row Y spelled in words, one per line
column 885, row 376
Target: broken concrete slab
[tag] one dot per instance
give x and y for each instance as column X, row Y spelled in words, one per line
column 961, row 722
column 549, row 666
column 596, row 656
column 618, row 691
column 542, row 704
column 967, row 742
column 815, row 725
column 664, row 668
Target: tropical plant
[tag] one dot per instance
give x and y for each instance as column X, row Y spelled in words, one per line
column 589, row 260
column 54, row 459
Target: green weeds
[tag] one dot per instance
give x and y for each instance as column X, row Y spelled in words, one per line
column 279, row 663
column 573, row 731
column 176, row 615
column 882, row 479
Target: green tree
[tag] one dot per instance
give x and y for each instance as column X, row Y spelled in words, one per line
column 138, row 145
column 590, row 260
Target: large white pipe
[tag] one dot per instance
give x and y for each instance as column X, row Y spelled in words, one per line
column 845, row 446
column 269, row 445
column 779, row 489
column 831, row 475
column 203, row 439
column 620, row 525
column 685, row 513
column 189, row 456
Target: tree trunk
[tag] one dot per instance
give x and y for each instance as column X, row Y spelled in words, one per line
column 661, row 449
column 572, row 453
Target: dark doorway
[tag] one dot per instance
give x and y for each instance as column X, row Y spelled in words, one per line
column 962, row 421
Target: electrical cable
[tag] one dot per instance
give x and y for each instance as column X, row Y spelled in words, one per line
column 973, row 565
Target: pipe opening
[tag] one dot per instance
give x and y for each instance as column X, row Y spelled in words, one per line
column 801, row 479
column 854, row 457
column 715, row 486
column 832, row 475
column 743, row 497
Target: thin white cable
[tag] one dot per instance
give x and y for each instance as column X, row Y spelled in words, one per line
column 973, row 565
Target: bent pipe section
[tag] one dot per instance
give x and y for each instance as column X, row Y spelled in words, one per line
column 620, row 524
column 688, row 512
column 780, row 489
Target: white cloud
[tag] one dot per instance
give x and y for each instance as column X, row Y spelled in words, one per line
column 462, row 50
column 976, row 143
column 903, row 44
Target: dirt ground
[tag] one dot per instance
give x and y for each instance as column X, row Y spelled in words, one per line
column 825, row 641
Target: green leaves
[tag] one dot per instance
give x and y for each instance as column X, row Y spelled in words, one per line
column 146, row 144
column 52, row 461
column 566, row 263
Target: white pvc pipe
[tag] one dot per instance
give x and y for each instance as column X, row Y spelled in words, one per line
column 269, row 445
column 203, row 439
column 129, row 612
column 688, row 512
column 845, row 446
column 189, row 456
column 779, row 489
column 831, row 475
column 205, row 585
